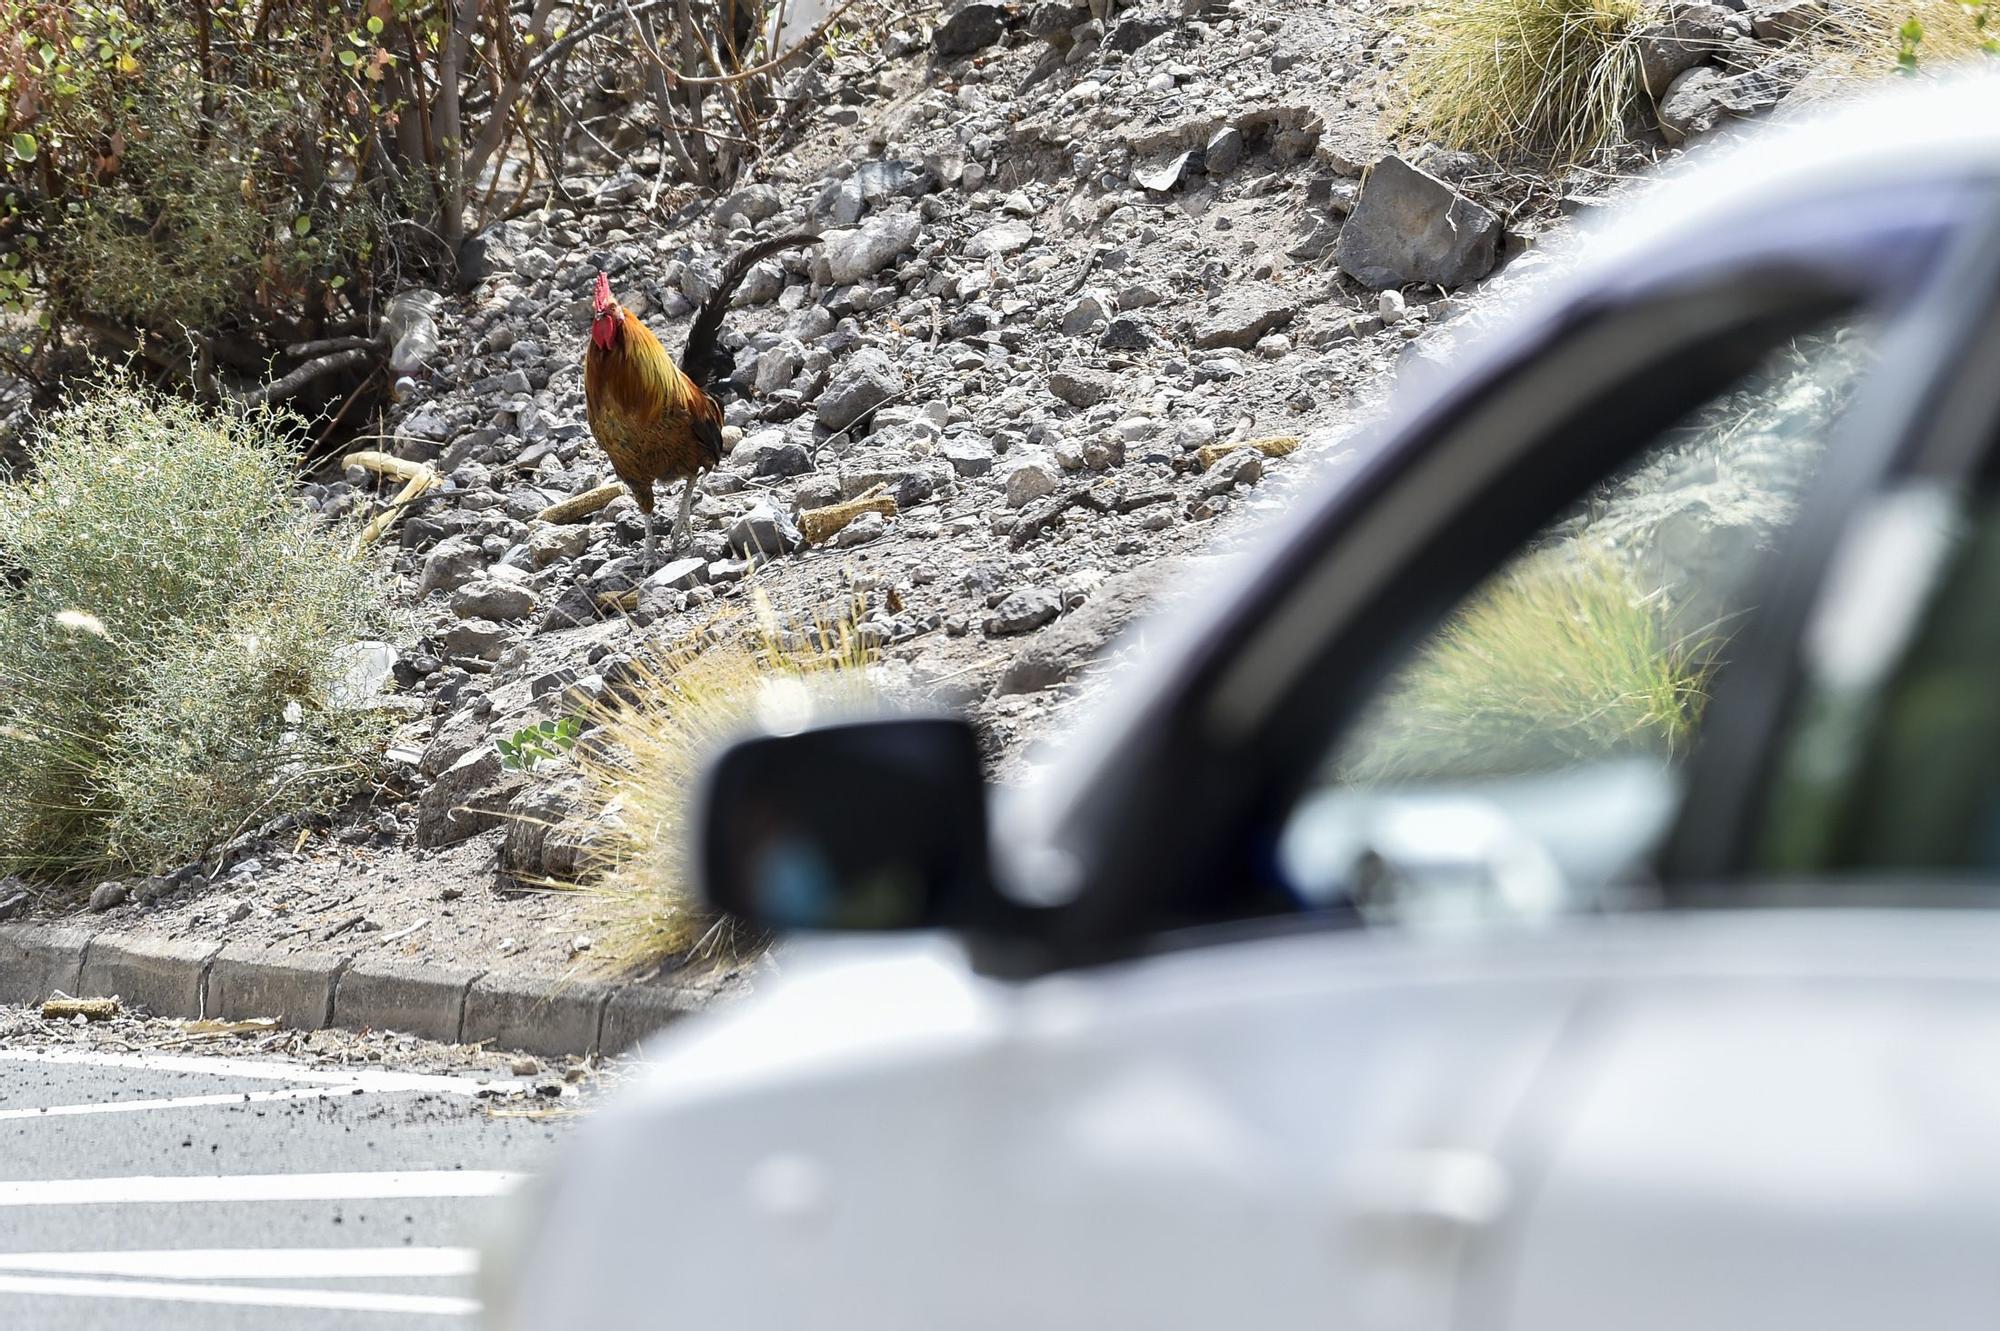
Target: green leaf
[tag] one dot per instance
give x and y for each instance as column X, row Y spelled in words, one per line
column 301, row 225
column 347, row 57
column 25, row 146
column 375, row 25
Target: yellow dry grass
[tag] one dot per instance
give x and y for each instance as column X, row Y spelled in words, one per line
column 643, row 768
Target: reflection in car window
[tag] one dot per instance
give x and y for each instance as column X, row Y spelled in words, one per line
column 1595, row 643
column 1903, row 772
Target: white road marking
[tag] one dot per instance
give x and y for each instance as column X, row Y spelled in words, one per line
column 253, row 1263
column 259, row 1187
column 187, row 1101
column 336, row 1300
column 254, row 1069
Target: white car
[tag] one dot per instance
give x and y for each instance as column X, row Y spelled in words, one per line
column 1550, row 887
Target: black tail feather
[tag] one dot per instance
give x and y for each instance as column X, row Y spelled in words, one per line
column 698, row 358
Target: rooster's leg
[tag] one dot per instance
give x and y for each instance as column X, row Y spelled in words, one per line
column 652, row 544
column 686, row 517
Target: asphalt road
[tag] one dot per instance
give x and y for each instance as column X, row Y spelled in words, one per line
column 147, row 1190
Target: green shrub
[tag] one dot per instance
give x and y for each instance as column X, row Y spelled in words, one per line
column 1561, row 661
column 169, row 639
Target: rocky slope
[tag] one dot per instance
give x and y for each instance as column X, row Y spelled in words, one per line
column 1065, row 260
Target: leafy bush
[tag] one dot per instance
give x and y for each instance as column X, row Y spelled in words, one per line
column 1562, row 661
column 255, row 174
column 641, row 770
column 545, row 741
column 169, row 639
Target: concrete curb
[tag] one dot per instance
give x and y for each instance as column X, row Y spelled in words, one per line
column 193, row 978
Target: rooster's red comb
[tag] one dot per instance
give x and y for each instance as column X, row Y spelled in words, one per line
column 602, row 299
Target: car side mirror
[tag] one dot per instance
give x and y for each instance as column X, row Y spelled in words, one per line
column 874, row 825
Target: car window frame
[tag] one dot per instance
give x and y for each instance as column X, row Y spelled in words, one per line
column 1224, row 771
column 1938, row 399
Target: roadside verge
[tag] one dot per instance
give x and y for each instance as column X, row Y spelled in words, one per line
column 541, row 1014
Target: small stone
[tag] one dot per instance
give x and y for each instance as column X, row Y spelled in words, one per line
column 1007, row 237
column 1029, row 481
column 1782, row 20
column 1023, row 612
column 968, row 456
column 867, row 381
column 1242, row 316
column 1085, row 313
column 764, row 532
column 451, row 564
column 481, row 639
column 107, row 895
column 865, row 528
column 857, row 255
column 1389, row 304
column 493, row 598
column 967, row 26
column 1125, row 335
column 548, row 542
column 1696, row 32
column 1224, row 151
column 679, row 574
column 522, row 1065
column 1243, row 467
column 1082, row 388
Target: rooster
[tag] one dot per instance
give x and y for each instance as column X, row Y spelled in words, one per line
column 659, row 423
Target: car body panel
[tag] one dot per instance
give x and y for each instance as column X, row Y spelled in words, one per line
column 1329, row 1128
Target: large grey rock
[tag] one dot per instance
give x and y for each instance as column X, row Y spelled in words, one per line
column 1701, row 99
column 867, row 381
column 1412, row 227
column 1782, row 20
column 968, row 25
column 859, row 254
column 1243, row 315
column 1690, row 35
column 548, row 834
column 469, row 797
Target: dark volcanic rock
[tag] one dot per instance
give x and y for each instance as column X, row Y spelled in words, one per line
column 1411, row 227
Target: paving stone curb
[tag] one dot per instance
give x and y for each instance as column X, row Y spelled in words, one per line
column 171, row 977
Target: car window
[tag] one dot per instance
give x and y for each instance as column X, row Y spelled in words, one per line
column 1579, row 669
column 1891, row 764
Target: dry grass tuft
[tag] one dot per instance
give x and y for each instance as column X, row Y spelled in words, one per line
column 1562, row 661
column 642, row 767
column 1506, row 77
column 1558, row 79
